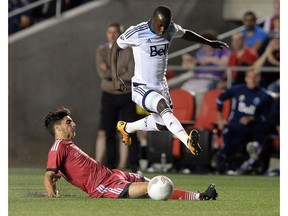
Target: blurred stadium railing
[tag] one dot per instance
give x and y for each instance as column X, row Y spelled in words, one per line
column 33, row 5
column 179, row 79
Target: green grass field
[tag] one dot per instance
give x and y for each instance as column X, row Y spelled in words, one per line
column 238, row 195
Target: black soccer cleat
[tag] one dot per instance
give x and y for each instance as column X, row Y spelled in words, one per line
column 209, row 194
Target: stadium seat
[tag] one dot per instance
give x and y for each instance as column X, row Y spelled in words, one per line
column 183, row 105
column 184, row 110
column 207, row 117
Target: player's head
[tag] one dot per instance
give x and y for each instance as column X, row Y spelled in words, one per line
column 237, row 41
column 249, row 20
column 60, row 124
column 252, row 78
column 113, row 31
column 161, row 20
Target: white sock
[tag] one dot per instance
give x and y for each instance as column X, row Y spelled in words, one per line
column 183, row 136
column 146, row 124
column 174, row 126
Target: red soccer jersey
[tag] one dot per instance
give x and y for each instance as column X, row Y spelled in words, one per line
column 76, row 166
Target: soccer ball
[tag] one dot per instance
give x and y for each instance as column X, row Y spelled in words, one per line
column 160, row 188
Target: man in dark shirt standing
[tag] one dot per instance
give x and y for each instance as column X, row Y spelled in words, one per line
column 247, row 121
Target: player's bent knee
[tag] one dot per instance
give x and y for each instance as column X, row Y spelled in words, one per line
column 162, row 105
column 151, row 101
column 161, row 127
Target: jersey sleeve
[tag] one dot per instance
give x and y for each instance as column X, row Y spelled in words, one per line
column 129, row 38
column 178, row 31
column 229, row 93
column 56, row 156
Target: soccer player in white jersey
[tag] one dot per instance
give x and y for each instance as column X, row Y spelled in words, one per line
column 150, row 42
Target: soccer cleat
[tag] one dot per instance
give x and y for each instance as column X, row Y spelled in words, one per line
column 193, row 142
column 126, row 139
column 209, row 194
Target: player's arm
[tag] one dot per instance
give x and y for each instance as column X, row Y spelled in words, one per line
column 192, row 36
column 257, row 45
column 117, row 81
column 228, row 94
column 268, row 52
column 102, row 67
column 50, row 179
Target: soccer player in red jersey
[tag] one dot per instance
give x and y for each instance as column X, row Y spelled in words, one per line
column 67, row 160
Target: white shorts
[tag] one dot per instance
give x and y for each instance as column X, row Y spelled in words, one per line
column 148, row 98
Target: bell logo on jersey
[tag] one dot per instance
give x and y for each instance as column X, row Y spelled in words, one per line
column 158, row 50
column 250, row 110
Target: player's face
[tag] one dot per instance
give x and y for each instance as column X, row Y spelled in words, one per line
column 67, row 128
column 112, row 33
column 160, row 24
column 237, row 42
column 252, row 79
column 249, row 22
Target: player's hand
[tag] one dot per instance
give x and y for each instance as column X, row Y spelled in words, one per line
column 246, row 120
column 219, row 44
column 119, row 84
column 220, row 124
column 53, row 194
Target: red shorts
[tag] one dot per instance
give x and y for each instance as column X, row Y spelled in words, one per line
column 117, row 185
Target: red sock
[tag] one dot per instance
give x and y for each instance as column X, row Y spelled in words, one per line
column 184, row 195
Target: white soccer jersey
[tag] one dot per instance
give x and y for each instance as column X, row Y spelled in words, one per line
column 150, row 52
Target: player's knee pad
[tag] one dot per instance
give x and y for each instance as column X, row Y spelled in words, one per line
column 150, row 101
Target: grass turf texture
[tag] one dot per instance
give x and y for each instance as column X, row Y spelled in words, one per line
column 238, row 195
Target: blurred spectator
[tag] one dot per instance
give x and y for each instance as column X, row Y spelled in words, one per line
column 247, row 122
column 204, row 80
column 255, row 36
column 275, row 25
column 272, row 23
column 20, row 21
column 270, row 58
column 259, row 159
column 240, row 56
column 36, row 14
column 49, row 9
column 115, row 105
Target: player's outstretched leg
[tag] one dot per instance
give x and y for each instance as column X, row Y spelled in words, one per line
column 210, row 193
column 126, row 138
column 193, row 142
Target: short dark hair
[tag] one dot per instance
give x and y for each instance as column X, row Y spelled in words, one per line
column 164, row 10
column 118, row 26
column 250, row 13
column 54, row 117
